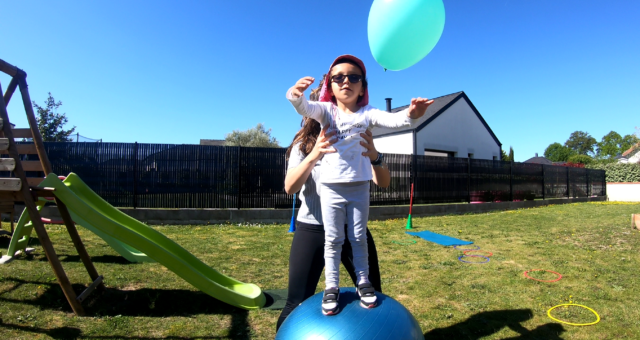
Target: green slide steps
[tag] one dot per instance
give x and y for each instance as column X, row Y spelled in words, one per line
column 24, row 227
column 87, row 206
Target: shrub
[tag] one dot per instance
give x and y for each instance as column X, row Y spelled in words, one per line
column 619, row 172
column 573, row 165
column 583, row 159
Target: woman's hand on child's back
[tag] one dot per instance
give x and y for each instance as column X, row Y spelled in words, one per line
column 301, row 85
column 418, row 107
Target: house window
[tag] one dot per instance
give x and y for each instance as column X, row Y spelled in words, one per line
column 437, row 153
column 495, row 158
column 470, row 155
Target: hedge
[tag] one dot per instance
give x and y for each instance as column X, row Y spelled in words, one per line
column 619, row 172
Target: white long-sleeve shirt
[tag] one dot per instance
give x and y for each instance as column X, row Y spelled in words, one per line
column 348, row 164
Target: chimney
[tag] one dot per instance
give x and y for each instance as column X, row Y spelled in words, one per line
column 388, row 104
column 536, row 154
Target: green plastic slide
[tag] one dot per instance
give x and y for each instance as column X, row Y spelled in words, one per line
column 24, row 228
column 87, row 208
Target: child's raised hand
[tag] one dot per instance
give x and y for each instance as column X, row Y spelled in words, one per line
column 301, row 85
column 418, row 107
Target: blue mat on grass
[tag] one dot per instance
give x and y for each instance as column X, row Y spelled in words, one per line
column 439, row 239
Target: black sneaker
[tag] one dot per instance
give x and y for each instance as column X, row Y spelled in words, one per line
column 330, row 301
column 367, row 294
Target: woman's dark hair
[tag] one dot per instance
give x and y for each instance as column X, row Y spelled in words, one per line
column 310, row 130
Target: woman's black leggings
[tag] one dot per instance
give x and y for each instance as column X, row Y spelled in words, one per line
column 306, row 262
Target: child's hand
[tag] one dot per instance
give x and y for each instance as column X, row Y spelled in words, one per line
column 298, row 89
column 418, row 107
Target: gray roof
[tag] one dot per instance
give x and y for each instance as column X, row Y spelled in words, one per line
column 432, row 110
column 439, row 106
column 538, row 160
column 214, row 142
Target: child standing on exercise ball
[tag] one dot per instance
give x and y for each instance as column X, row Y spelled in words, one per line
column 344, row 181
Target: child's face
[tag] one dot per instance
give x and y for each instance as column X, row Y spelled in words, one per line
column 346, row 92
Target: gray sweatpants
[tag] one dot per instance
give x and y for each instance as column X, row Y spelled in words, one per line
column 345, row 203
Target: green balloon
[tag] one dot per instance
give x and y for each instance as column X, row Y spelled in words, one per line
column 402, row 32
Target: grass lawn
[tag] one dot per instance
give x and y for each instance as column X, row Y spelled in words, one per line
column 591, row 244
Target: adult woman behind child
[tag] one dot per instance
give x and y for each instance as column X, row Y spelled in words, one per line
column 306, row 259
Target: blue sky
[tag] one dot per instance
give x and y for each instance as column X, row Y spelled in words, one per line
column 175, row 72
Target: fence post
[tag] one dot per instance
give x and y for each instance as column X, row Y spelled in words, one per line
column 468, row 180
column 544, row 189
column 588, row 184
column 568, row 196
column 135, row 175
column 239, row 203
column 414, row 172
column 511, row 181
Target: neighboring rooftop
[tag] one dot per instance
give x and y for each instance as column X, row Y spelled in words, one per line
column 538, row 160
column 439, row 106
column 214, row 142
column 631, row 150
column 433, row 109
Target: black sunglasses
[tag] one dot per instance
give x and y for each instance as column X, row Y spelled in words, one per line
column 353, row 78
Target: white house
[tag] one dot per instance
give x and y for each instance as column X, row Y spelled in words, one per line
column 451, row 127
column 632, row 155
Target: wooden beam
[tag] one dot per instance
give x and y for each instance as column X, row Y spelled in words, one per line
column 42, row 192
column 75, row 237
column 22, row 133
column 10, row 184
column 23, row 149
column 8, row 69
column 10, row 89
column 33, row 124
column 31, row 166
column 34, row 181
column 85, row 294
column 30, row 205
column 4, row 143
column 11, row 196
column 7, row 164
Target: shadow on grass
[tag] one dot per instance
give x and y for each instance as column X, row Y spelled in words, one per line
column 486, row 323
column 71, row 333
column 143, row 302
column 114, row 259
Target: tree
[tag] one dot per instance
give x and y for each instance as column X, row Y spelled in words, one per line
column 581, row 159
column 511, row 157
column 255, row 137
column 557, row 152
column 609, row 146
column 503, row 155
column 613, row 144
column 581, row 143
column 628, row 141
column 51, row 123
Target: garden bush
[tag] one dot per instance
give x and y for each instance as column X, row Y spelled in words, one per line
column 619, row 172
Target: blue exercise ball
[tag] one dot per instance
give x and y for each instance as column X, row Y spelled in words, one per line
column 389, row 320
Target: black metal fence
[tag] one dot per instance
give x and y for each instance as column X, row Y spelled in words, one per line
column 201, row 176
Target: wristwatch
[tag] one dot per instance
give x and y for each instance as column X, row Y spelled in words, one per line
column 378, row 160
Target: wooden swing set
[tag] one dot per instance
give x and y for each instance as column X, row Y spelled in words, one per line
column 19, row 188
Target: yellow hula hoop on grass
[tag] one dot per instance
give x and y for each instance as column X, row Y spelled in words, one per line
column 574, row 324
